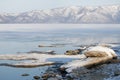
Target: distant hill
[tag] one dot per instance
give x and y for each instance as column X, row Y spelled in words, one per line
column 73, row 14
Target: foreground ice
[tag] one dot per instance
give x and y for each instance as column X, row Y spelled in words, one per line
column 34, row 59
column 71, row 62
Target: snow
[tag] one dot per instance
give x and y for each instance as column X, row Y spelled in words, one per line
column 103, row 14
column 70, row 66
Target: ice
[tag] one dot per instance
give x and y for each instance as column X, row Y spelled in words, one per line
column 34, row 59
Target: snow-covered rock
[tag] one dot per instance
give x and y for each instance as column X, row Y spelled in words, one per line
column 86, row 62
column 73, row 14
column 96, row 55
column 99, row 51
column 102, row 72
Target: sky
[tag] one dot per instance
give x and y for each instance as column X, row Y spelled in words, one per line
column 13, row 6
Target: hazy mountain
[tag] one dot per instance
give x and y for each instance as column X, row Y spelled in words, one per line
column 73, row 14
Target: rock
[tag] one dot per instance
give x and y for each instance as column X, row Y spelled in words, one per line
column 63, row 71
column 95, row 54
column 52, row 78
column 25, row 74
column 117, row 73
column 43, row 52
column 72, row 52
column 39, row 52
column 50, row 52
column 99, row 51
column 46, row 46
column 45, row 76
column 59, row 77
column 69, row 78
column 100, row 73
column 48, row 75
column 36, row 77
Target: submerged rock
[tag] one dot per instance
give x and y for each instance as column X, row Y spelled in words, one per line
column 43, row 52
column 46, row 46
column 25, row 74
column 36, row 77
column 117, row 72
column 39, row 52
column 50, row 52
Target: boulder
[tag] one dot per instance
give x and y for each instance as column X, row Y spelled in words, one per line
column 25, row 74
column 36, row 77
column 99, row 51
column 72, row 52
column 95, row 54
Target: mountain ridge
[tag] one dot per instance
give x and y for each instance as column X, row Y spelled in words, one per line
column 73, row 14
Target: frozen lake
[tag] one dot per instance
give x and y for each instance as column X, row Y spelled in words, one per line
column 20, row 38
column 26, row 37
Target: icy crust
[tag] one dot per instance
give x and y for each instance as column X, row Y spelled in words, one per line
column 34, row 59
column 86, row 62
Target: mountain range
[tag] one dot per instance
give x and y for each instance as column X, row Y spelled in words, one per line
column 73, row 14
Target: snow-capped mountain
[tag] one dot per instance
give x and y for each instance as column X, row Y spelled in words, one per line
column 73, row 14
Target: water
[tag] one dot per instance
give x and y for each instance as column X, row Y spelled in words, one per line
column 21, row 38
column 9, row 73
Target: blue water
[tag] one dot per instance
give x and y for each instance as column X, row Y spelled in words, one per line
column 10, row 73
column 21, row 38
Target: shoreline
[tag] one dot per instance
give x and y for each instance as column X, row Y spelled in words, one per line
column 73, row 65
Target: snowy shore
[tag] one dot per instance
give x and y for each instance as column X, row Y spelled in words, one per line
column 74, row 66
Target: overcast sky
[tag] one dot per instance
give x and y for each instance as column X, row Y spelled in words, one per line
column 12, row 6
